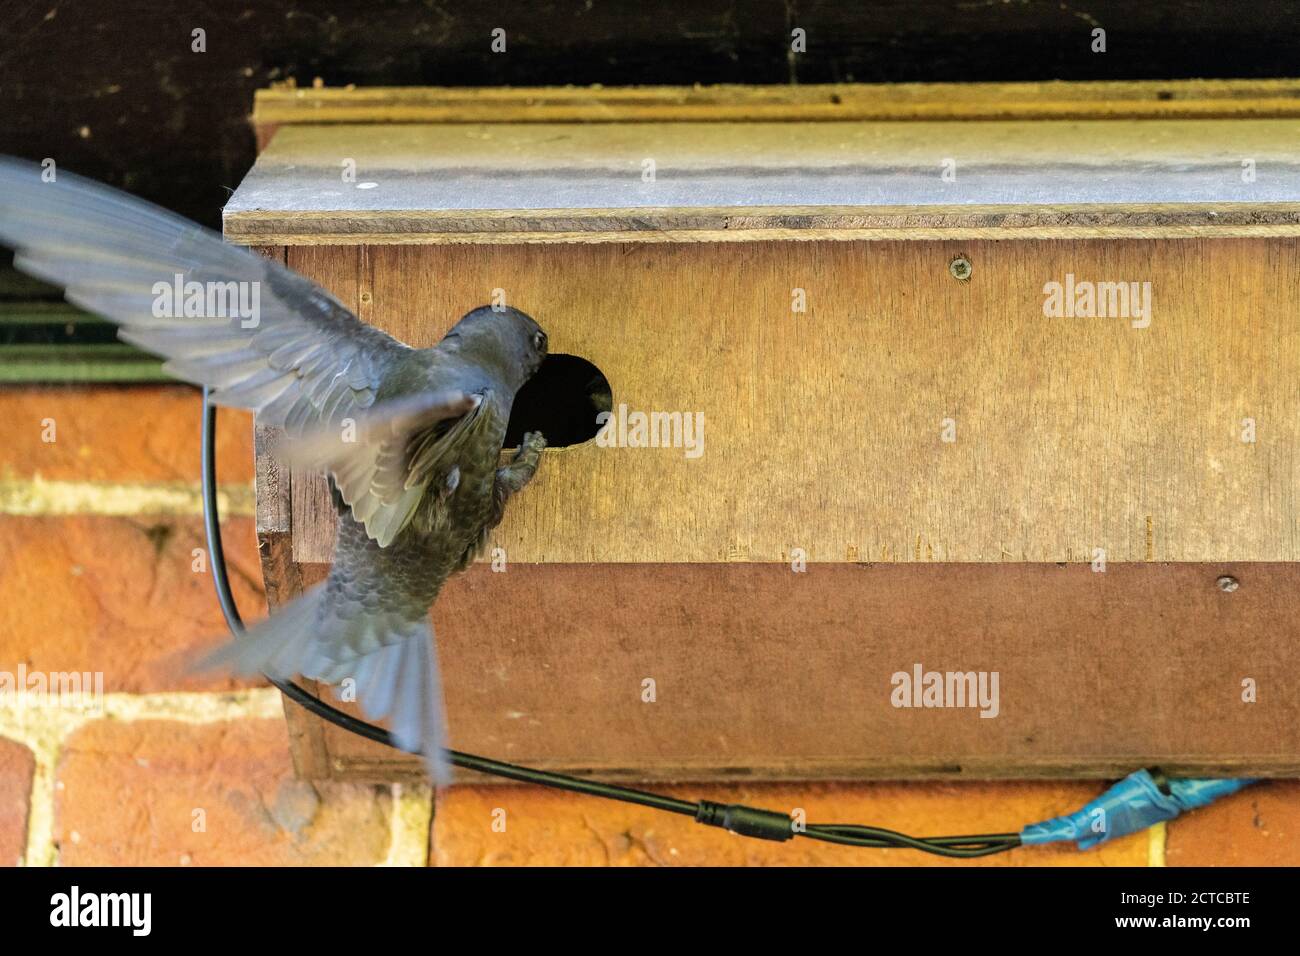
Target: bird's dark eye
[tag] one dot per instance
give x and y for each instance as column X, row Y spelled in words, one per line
column 539, row 341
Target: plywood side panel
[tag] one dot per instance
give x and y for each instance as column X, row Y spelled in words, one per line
column 824, row 430
column 762, row 672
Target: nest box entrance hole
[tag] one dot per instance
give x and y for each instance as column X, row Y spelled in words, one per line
column 561, row 401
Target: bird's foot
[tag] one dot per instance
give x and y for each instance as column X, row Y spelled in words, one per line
column 531, row 446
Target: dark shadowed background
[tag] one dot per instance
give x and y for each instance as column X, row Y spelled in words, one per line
column 111, row 88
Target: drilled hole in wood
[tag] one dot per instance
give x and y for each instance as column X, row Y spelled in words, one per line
column 561, row 401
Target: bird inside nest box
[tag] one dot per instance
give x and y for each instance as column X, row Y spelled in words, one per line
column 891, row 435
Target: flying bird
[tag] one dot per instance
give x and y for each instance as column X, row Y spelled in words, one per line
column 411, row 438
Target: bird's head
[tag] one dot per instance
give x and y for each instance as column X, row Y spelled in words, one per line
column 507, row 342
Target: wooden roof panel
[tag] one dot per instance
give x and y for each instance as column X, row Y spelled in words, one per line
column 431, row 182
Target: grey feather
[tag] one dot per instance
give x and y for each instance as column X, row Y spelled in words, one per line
column 396, row 680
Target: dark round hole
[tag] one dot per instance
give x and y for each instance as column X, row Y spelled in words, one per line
column 561, row 401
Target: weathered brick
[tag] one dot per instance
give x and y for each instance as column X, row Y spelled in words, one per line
column 16, row 768
column 128, row 795
column 1260, row 826
column 117, row 434
column 118, row 595
column 553, row 828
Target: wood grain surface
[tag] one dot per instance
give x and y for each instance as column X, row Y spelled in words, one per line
column 824, row 430
column 761, row 672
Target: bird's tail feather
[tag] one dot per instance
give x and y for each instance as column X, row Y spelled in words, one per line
column 397, row 679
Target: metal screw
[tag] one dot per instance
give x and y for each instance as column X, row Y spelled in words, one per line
column 960, row 268
column 1227, row 584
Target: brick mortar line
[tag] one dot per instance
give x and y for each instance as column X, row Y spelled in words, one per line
column 1156, row 843
column 411, row 825
column 36, row 496
column 44, row 731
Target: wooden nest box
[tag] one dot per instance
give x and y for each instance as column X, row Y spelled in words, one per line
column 994, row 383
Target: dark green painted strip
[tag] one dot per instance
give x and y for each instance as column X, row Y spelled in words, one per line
column 53, row 342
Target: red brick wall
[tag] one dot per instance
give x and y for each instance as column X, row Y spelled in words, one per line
column 97, row 536
column 97, row 573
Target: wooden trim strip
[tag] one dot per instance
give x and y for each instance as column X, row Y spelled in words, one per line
column 437, row 227
column 1147, row 99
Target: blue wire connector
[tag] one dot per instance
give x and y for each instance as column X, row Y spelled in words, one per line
column 1133, row 804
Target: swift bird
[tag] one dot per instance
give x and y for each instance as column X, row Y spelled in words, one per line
column 410, row 437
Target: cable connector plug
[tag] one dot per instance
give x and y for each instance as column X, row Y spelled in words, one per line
column 1133, row 804
column 747, row 821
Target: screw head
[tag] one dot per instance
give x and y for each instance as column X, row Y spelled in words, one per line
column 1227, row 584
column 960, row 269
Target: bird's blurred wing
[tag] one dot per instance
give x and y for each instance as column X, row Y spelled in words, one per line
column 295, row 355
column 299, row 359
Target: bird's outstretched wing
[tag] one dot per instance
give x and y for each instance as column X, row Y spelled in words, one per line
column 303, row 362
column 384, row 460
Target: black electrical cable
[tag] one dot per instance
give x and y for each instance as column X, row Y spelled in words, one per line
column 747, row 821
